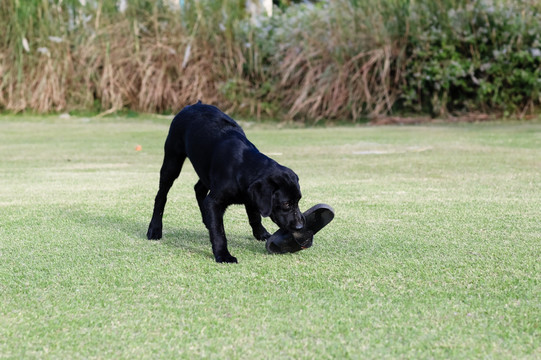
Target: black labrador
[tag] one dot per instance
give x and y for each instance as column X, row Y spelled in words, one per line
column 231, row 171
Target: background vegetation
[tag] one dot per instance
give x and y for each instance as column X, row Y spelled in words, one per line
column 340, row 59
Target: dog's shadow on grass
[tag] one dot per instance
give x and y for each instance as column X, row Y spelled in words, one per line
column 197, row 241
column 192, row 240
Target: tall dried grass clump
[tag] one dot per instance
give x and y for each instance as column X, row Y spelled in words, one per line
column 66, row 56
column 32, row 76
column 336, row 60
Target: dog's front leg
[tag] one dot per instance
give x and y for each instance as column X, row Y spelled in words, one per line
column 213, row 215
column 259, row 231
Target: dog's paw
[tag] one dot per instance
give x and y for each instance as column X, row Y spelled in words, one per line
column 154, row 234
column 226, row 258
column 262, row 235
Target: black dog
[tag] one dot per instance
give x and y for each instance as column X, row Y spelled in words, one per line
column 231, row 171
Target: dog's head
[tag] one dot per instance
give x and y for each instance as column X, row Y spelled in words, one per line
column 277, row 195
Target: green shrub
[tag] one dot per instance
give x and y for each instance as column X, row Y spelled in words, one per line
column 473, row 56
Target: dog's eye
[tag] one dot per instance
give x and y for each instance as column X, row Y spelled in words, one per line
column 286, row 206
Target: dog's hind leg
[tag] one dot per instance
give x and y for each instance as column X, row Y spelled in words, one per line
column 201, row 192
column 254, row 217
column 172, row 164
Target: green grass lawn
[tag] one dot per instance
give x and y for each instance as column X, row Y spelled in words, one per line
column 434, row 251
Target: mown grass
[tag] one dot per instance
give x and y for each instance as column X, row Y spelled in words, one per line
column 434, row 251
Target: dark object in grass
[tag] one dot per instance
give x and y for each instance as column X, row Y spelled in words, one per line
column 284, row 241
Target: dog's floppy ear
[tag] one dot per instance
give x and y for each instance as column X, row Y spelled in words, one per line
column 260, row 193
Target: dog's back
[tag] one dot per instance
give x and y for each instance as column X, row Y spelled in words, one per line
column 204, row 134
column 206, row 123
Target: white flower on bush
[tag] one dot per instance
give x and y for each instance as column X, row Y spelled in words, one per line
column 55, row 39
column 535, row 52
column 122, row 5
column 25, row 45
column 187, row 53
column 44, row 51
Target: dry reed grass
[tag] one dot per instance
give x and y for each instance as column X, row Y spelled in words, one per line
column 116, row 63
column 340, row 64
column 146, row 73
column 316, row 87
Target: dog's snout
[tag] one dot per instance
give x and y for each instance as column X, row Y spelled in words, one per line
column 299, row 222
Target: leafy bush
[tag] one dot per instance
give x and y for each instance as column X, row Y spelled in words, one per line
column 474, row 56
